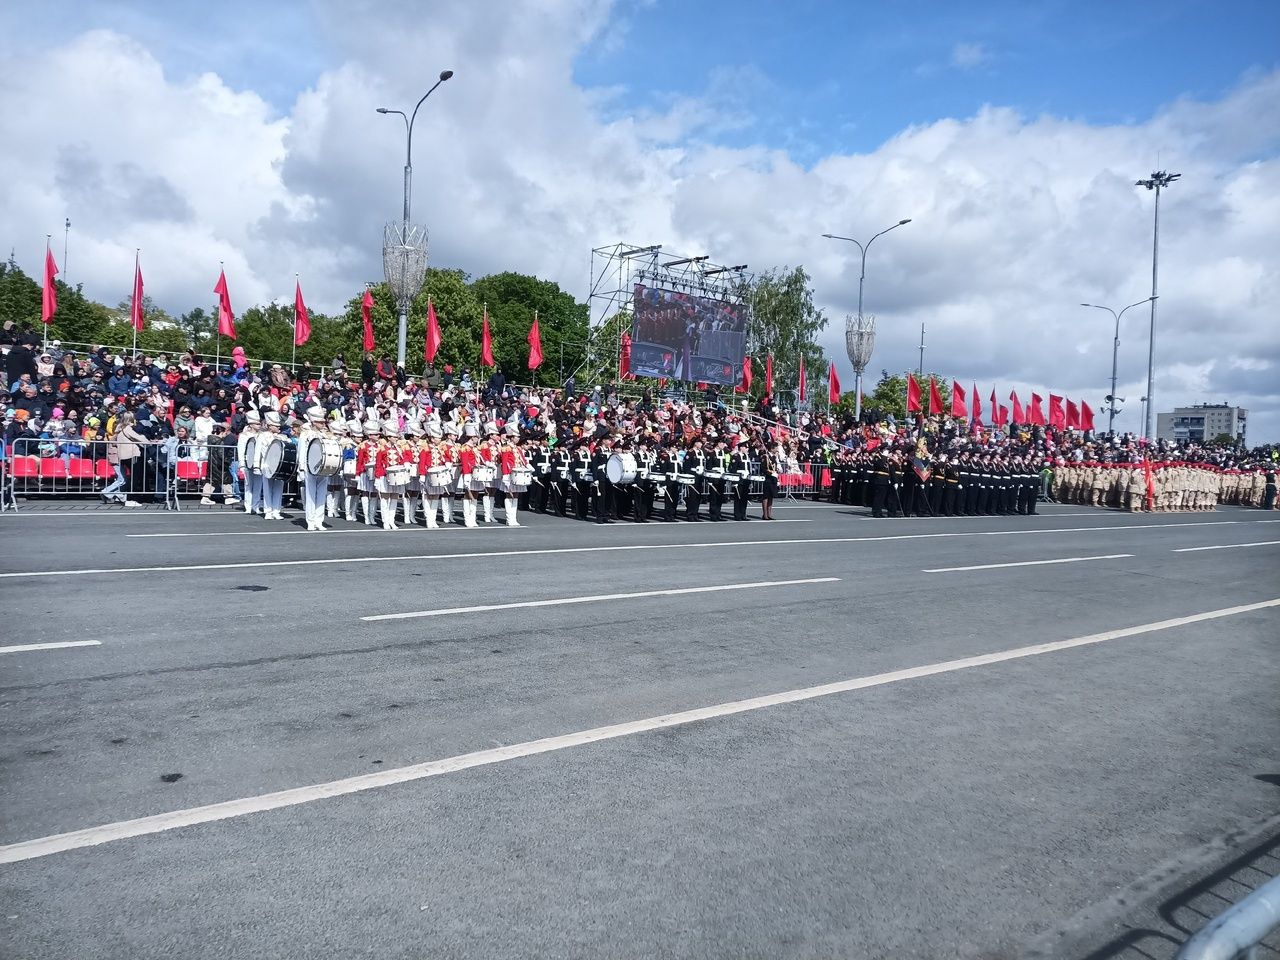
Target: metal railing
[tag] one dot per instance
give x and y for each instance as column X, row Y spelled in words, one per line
column 1238, row 932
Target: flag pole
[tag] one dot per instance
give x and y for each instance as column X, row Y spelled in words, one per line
column 217, row 348
column 48, row 240
column 293, row 363
column 137, row 254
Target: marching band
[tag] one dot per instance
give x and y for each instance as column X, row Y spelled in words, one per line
column 378, row 472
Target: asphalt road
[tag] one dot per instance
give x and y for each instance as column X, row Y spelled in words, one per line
column 961, row 810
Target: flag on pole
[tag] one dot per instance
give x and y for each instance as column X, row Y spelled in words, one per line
column 913, row 395
column 1086, row 416
column 624, row 358
column 49, row 302
column 1004, row 415
column 432, row 345
column 535, row 344
column 994, row 409
column 977, row 406
column 745, row 385
column 135, row 308
column 768, row 375
column 226, row 318
column 1057, row 417
column 301, row 318
column 1018, row 415
column 1035, row 413
column 801, row 383
column 486, row 341
column 366, row 314
column 935, row 397
column 833, row 385
column 1073, row 415
column 959, row 410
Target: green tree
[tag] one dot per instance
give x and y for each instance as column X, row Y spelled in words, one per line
column 19, row 295
column 197, row 327
column 890, row 393
column 563, row 324
column 785, row 324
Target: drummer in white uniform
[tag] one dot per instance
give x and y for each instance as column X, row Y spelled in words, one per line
column 252, row 477
column 366, row 458
column 272, row 487
column 435, row 475
column 412, row 449
column 336, row 481
column 388, row 477
column 514, row 475
column 314, row 485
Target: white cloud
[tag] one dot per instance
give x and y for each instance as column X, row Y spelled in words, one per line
column 966, row 56
column 1015, row 219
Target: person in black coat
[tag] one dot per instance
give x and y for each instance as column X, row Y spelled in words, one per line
column 20, row 359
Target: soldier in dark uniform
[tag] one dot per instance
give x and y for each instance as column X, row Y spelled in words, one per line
column 642, row 491
column 881, row 486
column 695, row 462
column 558, row 479
column 716, row 485
column 668, row 467
column 582, row 486
column 969, row 480
column 937, row 485
column 740, row 468
column 601, row 488
column 535, row 497
column 951, row 490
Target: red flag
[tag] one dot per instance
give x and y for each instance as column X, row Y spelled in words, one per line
column 935, row 397
column 1004, row 415
column 535, row 344
column 913, row 395
column 624, row 358
column 1073, row 416
column 768, row 375
column 135, row 308
column 1086, row 416
column 366, row 314
column 226, row 318
column 1035, row 413
column 301, row 318
column 833, row 387
column 486, row 342
column 958, row 407
column 744, row 386
column 432, row 345
column 49, row 302
column 977, row 406
column 1057, row 418
column 801, row 396
column 1018, row 416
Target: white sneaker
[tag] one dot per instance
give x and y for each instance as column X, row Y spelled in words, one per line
column 131, row 503
column 230, row 500
column 207, row 502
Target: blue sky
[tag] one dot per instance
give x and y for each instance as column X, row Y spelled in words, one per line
column 822, row 76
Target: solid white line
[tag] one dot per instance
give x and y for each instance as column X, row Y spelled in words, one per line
column 22, row 647
column 1026, row 563
column 561, row 601
column 159, row 823
column 547, row 551
column 1230, row 546
column 452, row 528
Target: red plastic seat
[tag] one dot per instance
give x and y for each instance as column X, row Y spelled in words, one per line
column 103, row 470
column 26, row 467
column 81, row 469
column 192, row 469
column 52, row 468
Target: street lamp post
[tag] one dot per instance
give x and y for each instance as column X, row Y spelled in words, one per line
column 402, row 338
column 855, row 328
column 1157, row 181
column 1115, row 356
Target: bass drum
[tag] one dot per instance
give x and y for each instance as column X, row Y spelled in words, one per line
column 622, row 468
column 280, row 460
column 324, row 456
column 250, row 454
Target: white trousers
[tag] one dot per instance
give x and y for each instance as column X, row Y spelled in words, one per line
column 314, row 491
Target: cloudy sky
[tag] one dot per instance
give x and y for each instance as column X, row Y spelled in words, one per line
column 1010, row 133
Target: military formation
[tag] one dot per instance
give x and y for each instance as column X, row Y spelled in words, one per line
column 1159, row 487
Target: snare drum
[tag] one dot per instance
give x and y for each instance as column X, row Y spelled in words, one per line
column 398, row 474
column 522, row 476
column 324, row 456
column 688, row 479
column 485, row 473
column 440, row 476
column 621, row 468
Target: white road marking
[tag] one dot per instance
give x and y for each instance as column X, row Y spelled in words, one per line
column 458, row 528
column 564, row 601
column 548, row 551
column 228, row 809
column 1230, row 546
column 1026, row 563
column 23, row 647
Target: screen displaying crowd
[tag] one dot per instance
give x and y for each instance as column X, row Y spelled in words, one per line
column 686, row 337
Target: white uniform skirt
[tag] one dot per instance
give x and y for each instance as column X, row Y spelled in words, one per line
column 365, row 482
column 463, row 483
column 438, row 489
column 509, row 484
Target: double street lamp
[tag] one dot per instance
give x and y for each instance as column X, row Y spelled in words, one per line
column 405, row 297
column 859, row 335
column 1157, row 181
column 1115, row 355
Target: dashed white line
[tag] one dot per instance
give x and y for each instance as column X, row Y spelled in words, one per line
column 550, row 551
column 226, row 810
column 24, row 647
column 1229, row 546
column 1026, row 563
column 596, row 598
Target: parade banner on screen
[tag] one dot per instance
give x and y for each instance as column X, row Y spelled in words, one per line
column 685, row 337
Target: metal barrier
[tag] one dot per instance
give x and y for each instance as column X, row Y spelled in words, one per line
column 1238, row 932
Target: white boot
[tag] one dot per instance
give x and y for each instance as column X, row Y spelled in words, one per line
column 349, row 502
column 512, row 504
column 432, row 503
column 488, row 508
column 388, row 507
column 366, row 509
column 468, row 512
column 446, row 509
column 410, row 509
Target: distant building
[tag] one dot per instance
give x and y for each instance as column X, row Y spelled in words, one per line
column 1203, row 421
